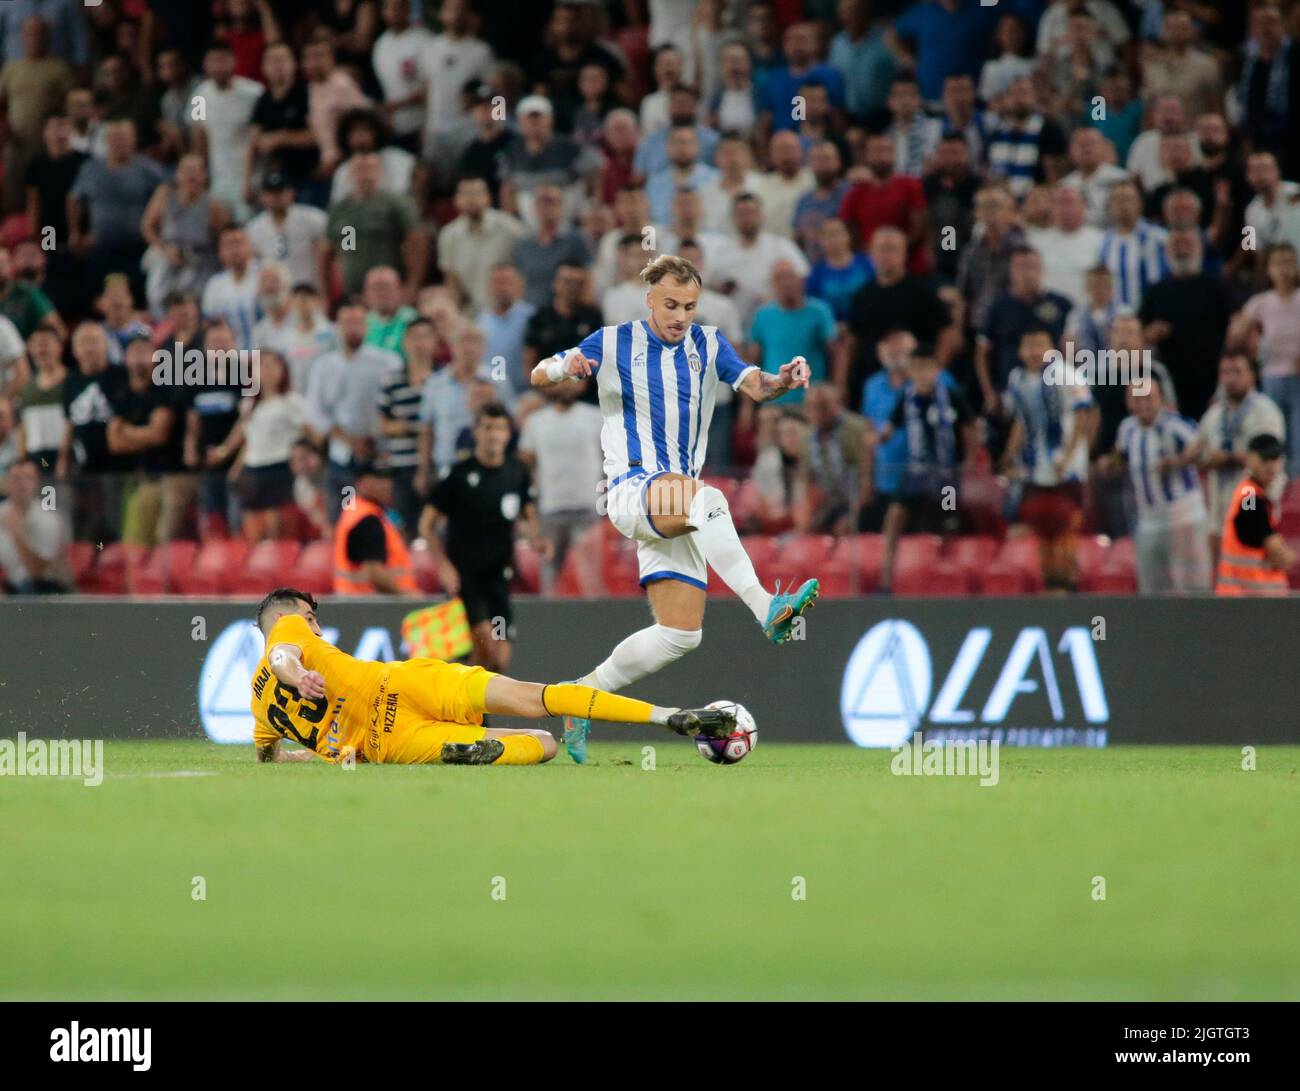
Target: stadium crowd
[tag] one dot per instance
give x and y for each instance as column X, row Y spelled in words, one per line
column 404, row 205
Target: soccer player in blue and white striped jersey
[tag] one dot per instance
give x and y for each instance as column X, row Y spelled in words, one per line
column 657, row 379
column 1161, row 449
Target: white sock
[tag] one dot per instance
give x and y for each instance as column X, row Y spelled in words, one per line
column 716, row 536
column 642, row 653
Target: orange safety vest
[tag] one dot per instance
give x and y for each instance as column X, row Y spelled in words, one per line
column 348, row 578
column 1243, row 569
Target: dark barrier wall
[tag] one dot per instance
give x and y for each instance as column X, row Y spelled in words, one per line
column 1033, row 671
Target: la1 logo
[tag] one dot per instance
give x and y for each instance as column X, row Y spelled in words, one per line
column 888, row 681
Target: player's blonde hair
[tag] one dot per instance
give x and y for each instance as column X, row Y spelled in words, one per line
column 670, row 265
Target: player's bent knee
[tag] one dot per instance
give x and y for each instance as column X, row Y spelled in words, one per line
column 709, row 503
column 549, row 745
column 677, row 642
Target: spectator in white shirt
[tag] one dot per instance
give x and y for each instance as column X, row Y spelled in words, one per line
column 1054, row 26
column 477, row 240
column 743, row 265
column 1274, row 213
column 561, row 445
column 1069, row 247
column 1168, row 117
column 33, row 541
column 448, row 61
column 362, row 132
column 231, row 295
column 1011, row 63
column 288, row 232
column 222, row 132
column 1271, row 320
column 396, row 60
column 304, row 336
column 667, row 68
column 1234, row 418
column 781, row 187
column 1094, row 172
column 270, row 424
column 735, row 163
column 625, row 301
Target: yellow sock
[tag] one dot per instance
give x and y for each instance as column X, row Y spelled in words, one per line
column 520, row 750
column 571, row 699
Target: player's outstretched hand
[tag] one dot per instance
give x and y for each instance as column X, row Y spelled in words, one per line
column 796, row 373
column 312, row 685
column 579, row 366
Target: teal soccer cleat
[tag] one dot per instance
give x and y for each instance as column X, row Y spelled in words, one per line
column 786, row 607
column 576, row 729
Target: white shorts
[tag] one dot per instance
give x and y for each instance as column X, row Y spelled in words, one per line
column 658, row 558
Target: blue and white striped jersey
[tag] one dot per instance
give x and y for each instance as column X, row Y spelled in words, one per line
column 1136, row 261
column 1171, row 496
column 656, row 398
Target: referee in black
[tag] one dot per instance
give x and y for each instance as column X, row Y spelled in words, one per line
column 481, row 500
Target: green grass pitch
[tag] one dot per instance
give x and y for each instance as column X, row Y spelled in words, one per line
column 623, row 883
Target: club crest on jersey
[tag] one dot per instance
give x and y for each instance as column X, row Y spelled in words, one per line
column 693, row 360
column 472, row 478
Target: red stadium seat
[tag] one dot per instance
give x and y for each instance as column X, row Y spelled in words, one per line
column 1001, row 577
column 426, row 576
column 113, row 569
column 1115, row 581
column 528, row 570
column 1093, row 550
column 974, row 553
column 314, row 571
column 981, row 503
column 917, row 551
column 158, row 573
column 941, row 577
column 801, row 555
column 1117, row 574
column 1021, row 552
column 622, row 572
column 81, row 557
column 216, row 567
column 853, row 567
column 270, row 564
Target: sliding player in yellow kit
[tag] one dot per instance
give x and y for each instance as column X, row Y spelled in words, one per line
column 418, row 711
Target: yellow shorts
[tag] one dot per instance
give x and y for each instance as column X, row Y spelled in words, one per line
column 421, row 704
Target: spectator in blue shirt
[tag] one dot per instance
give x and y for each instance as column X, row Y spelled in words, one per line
column 839, row 274
column 504, row 321
column 880, row 397
column 823, row 201
column 859, row 54
column 1123, row 117
column 782, row 85
column 683, row 108
column 69, row 37
column 793, row 325
column 941, row 37
column 684, row 171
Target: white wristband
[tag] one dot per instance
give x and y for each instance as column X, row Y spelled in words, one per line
column 555, row 369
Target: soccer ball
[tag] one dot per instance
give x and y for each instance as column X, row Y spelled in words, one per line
column 735, row 746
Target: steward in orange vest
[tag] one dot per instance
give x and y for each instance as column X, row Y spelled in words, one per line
column 1254, row 557
column 370, row 555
